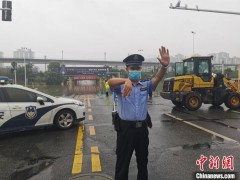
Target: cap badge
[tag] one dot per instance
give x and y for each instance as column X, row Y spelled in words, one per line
column 135, row 58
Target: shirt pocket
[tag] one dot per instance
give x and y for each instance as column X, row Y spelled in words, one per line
column 143, row 96
column 128, row 99
column 143, row 93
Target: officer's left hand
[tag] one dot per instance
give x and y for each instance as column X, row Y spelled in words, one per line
column 164, row 59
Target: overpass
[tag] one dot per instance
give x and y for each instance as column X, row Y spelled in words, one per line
column 90, row 62
column 71, row 62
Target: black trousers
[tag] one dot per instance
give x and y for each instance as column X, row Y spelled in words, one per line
column 130, row 138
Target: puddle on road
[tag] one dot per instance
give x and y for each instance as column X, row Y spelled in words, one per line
column 215, row 144
column 169, row 120
column 191, row 147
column 32, row 167
column 197, row 146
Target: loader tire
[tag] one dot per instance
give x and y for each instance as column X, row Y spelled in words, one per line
column 232, row 101
column 177, row 103
column 193, row 101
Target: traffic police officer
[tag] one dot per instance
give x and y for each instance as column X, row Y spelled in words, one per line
column 132, row 109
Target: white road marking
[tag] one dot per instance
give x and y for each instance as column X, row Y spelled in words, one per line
column 235, row 111
column 202, row 128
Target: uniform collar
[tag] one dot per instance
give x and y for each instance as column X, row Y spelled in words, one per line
column 139, row 83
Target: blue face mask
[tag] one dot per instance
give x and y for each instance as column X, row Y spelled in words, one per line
column 134, row 75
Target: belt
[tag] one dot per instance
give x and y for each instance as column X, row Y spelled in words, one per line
column 133, row 124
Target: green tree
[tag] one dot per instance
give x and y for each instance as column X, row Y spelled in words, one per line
column 230, row 73
column 39, row 78
column 29, row 74
column 54, row 66
column 53, row 76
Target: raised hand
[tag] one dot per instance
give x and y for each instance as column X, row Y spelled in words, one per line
column 164, row 57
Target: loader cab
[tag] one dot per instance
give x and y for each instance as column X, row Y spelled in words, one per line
column 199, row 66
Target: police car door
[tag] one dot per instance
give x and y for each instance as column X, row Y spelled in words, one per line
column 4, row 110
column 25, row 110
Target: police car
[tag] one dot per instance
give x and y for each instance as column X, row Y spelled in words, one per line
column 24, row 108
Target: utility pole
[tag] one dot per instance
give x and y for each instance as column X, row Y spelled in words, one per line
column 222, row 66
column 177, row 6
column 193, row 40
column 105, row 58
column 25, row 72
column 62, row 58
column 45, row 57
column 14, row 65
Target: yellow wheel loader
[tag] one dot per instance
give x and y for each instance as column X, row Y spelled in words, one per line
column 194, row 84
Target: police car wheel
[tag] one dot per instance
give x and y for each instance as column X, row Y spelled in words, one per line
column 64, row 119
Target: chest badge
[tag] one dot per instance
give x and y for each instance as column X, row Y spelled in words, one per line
column 143, row 88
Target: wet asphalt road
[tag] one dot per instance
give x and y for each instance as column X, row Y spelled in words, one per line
column 174, row 145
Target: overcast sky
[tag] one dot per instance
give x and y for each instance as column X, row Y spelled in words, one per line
column 85, row 29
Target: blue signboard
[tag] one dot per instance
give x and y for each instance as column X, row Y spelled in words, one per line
column 84, row 70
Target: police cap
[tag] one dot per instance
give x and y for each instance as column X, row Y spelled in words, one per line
column 134, row 60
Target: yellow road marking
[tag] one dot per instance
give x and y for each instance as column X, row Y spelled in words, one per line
column 89, row 110
column 89, row 103
column 96, row 164
column 202, row 128
column 78, row 157
column 94, row 149
column 84, row 100
column 92, row 130
column 90, row 117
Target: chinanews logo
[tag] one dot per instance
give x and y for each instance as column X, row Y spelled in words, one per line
column 214, row 162
column 225, row 163
column 31, row 112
